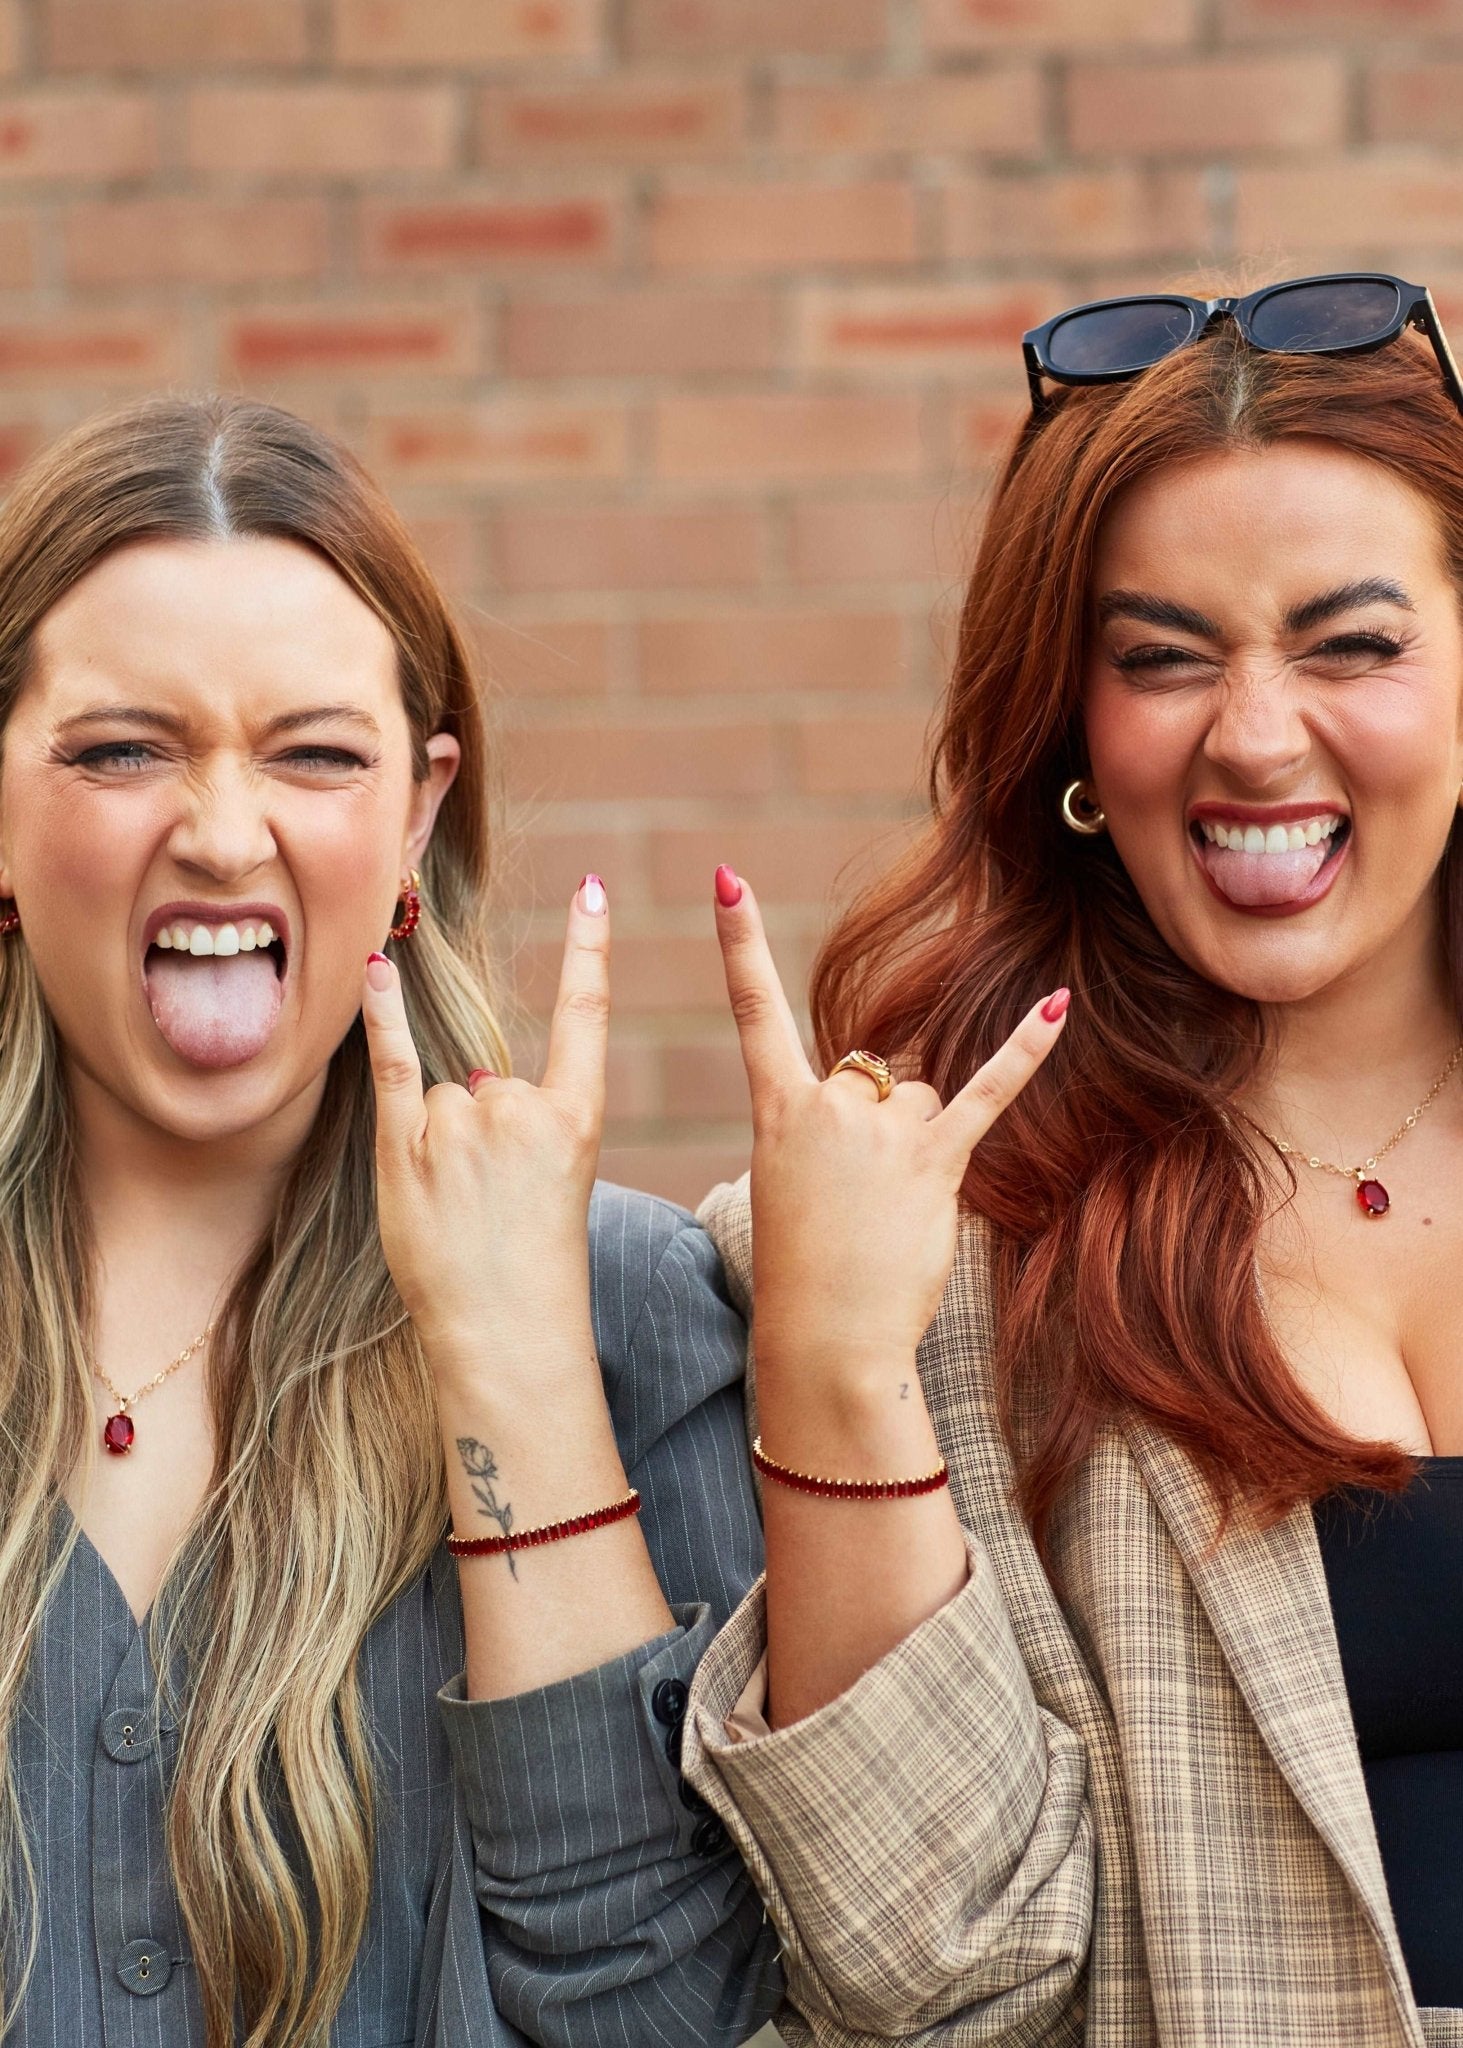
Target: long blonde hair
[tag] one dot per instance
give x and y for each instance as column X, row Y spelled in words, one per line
column 328, row 1496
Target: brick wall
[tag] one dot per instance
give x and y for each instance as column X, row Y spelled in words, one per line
column 684, row 330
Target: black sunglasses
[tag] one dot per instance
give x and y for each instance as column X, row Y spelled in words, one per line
column 1110, row 339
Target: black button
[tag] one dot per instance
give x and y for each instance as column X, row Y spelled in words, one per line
column 710, row 1837
column 144, row 1967
column 668, row 1702
column 674, row 1737
column 690, row 1798
column 127, row 1735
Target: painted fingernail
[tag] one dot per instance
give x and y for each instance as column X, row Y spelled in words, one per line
column 479, row 1074
column 592, row 896
column 728, row 888
column 1055, row 1006
column 378, row 970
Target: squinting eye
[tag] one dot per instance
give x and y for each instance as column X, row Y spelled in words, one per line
column 124, row 753
column 326, row 757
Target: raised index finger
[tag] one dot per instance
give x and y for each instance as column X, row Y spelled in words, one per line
column 967, row 1116
column 772, row 1047
column 580, row 1031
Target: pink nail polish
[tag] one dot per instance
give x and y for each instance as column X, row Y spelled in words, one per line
column 592, row 896
column 728, row 888
column 1055, row 1006
column 479, row 1074
column 375, row 956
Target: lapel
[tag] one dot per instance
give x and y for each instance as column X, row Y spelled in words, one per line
column 1264, row 1592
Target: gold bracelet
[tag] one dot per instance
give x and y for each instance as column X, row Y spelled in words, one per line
column 849, row 1489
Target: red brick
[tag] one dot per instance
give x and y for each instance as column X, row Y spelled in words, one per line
column 984, row 430
column 958, row 329
column 629, row 547
column 504, row 440
column 925, row 539
column 321, row 130
column 76, row 135
column 17, row 250
column 805, row 860
column 178, row 239
column 640, row 334
column 755, row 28
column 449, row 32
column 19, row 441
column 678, row 1172
column 996, row 112
column 847, row 756
column 651, row 976
column 352, row 340
column 705, row 1083
column 1420, row 103
column 453, row 545
column 1347, row 206
column 1207, row 107
column 628, row 118
column 173, row 35
column 472, row 234
column 618, row 763
column 537, row 657
column 90, row 351
column 783, row 227
column 1055, row 24
column 788, row 434
column 1089, row 216
column 1292, row 18
column 735, row 652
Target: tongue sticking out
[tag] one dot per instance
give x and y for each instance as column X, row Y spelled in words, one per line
column 1253, row 879
column 214, row 1012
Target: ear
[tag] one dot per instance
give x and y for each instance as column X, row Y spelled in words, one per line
column 444, row 757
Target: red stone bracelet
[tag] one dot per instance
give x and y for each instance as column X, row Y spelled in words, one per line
column 546, row 1532
column 849, row 1489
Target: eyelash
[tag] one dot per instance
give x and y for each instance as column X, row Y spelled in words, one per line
column 1344, row 643
column 136, row 755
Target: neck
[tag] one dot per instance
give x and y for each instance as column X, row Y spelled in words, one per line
column 190, row 1208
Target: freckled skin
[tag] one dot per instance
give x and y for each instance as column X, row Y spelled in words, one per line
column 1262, row 715
column 224, row 637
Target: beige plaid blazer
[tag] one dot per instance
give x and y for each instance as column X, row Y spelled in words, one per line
column 1135, row 1817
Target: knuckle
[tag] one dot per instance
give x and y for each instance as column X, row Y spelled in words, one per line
column 750, row 1007
column 396, row 1070
column 586, row 1006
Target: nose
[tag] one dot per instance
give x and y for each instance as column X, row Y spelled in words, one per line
column 222, row 830
column 1258, row 735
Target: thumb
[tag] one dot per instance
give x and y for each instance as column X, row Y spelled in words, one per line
column 401, row 1112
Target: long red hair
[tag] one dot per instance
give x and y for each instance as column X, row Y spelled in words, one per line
column 1127, row 1204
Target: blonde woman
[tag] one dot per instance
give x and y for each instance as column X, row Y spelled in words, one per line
column 292, row 1279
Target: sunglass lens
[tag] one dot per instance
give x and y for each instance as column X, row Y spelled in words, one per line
column 1107, row 340
column 1302, row 319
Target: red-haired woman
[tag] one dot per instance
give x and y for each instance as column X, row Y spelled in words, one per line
column 1111, row 1415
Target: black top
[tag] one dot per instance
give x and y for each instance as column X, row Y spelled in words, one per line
column 1394, row 1564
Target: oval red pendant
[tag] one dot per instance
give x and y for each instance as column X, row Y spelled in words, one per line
column 118, row 1434
column 1373, row 1197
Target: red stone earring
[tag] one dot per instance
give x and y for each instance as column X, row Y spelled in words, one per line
column 10, row 921
column 411, row 908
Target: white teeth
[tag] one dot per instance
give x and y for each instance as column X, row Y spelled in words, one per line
column 164, row 939
column 226, row 941
column 222, row 943
column 1277, row 839
column 1238, row 838
column 1254, row 839
column 247, row 939
column 180, row 937
column 266, row 935
column 1295, row 838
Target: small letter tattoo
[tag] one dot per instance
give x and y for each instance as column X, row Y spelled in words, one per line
column 478, row 1463
column 904, row 1390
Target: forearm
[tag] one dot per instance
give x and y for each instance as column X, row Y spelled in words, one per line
column 848, row 1579
column 535, row 1616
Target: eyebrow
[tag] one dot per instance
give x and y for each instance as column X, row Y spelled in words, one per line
column 161, row 721
column 1313, row 611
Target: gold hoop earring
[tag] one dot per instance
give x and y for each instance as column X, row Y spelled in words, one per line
column 1081, row 812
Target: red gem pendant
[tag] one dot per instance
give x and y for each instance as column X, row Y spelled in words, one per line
column 118, row 1434
column 1373, row 1197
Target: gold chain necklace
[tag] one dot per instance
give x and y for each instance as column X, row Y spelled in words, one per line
column 121, row 1431
column 1372, row 1197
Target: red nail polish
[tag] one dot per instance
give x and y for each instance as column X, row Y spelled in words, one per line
column 374, row 956
column 1055, row 1006
column 479, row 1074
column 728, row 888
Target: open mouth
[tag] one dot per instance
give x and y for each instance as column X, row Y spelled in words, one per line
column 1281, row 863
column 215, row 984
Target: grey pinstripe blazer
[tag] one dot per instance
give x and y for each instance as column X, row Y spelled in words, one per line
column 539, row 1875
column 1133, row 1817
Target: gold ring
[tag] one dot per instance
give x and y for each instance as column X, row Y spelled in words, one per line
column 866, row 1063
